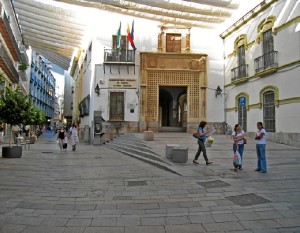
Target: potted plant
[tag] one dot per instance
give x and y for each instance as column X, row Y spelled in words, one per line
column 22, row 66
column 14, row 108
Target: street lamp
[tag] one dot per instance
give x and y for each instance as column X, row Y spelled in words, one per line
column 218, row 91
column 97, row 90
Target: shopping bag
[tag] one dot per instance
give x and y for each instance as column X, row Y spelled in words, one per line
column 237, row 161
column 65, row 145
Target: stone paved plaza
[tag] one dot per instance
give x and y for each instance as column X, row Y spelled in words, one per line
column 97, row 189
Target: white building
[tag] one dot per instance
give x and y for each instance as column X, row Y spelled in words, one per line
column 262, row 58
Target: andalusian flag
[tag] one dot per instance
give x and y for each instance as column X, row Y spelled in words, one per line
column 130, row 35
column 119, row 37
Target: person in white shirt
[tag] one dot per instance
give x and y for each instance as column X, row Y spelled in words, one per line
column 74, row 135
column 238, row 142
column 261, row 137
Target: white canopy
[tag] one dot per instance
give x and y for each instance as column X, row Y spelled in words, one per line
column 56, row 31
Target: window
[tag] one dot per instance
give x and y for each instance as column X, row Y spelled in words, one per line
column 241, row 62
column 124, row 42
column 242, row 113
column 173, row 42
column 116, row 107
column 269, row 110
column 268, row 48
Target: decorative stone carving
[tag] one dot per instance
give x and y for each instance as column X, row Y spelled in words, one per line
column 152, row 63
column 194, row 64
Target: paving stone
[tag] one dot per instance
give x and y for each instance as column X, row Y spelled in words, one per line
column 7, row 228
column 74, row 230
column 205, row 218
column 153, row 221
column 104, row 221
column 79, row 222
column 104, row 230
column 177, row 220
column 189, row 228
column 227, row 226
column 85, row 207
column 224, row 217
column 22, row 220
column 144, row 229
column 55, row 221
column 260, row 224
column 129, row 221
column 43, row 229
column 289, row 222
column 66, row 213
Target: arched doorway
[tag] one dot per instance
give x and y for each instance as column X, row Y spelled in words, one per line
column 172, row 107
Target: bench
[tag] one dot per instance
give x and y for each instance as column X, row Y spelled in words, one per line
column 21, row 141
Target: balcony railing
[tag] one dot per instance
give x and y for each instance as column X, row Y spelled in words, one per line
column 119, row 56
column 239, row 72
column 9, row 64
column 268, row 60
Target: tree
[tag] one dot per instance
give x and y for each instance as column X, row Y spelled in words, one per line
column 15, row 108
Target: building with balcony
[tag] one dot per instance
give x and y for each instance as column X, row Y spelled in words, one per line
column 13, row 58
column 262, row 65
column 42, row 85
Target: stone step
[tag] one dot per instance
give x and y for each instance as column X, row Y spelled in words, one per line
column 172, row 129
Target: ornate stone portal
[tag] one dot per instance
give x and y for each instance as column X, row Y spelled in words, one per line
column 172, row 70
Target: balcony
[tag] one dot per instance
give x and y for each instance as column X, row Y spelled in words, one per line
column 266, row 64
column 7, row 65
column 239, row 73
column 119, row 57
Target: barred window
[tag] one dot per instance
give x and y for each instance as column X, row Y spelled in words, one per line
column 269, row 111
column 268, row 48
column 116, row 107
column 242, row 113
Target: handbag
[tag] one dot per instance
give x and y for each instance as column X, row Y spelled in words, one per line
column 245, row 141
column 196, row 135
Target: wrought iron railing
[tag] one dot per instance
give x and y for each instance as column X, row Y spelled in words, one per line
column 119, row 56
column 266, row 61
column 239, row 72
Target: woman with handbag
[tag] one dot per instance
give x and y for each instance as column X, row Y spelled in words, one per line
column 61, row 136
column 238, row 136
column 202, row 137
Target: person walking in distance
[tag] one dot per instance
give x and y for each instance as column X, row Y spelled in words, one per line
column 238, row 142
column 261, row 137
column 202, row 131
column 61, row 137
column 74, row 135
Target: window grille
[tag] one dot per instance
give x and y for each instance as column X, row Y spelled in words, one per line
column 116, row 107
column 268, row 48
column 269, row 111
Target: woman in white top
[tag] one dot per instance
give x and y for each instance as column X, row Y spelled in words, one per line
column 74, row 135
column 261, row 137
column 238, row 142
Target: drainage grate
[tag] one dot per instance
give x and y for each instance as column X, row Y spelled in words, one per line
column 137, row 183
column 248, row 199
column 214, row 184
column 47, row 152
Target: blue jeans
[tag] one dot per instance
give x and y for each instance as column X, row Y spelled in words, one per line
column 261, row 157
column 241, row 150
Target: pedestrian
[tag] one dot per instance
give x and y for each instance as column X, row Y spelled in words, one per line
column 238, row 136
column 1, row 132
column 261, row 137
column 202, row 131
column 73, row 134
column 16, row 133
column 61, row 135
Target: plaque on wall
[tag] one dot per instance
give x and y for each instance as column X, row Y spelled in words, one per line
column 122, row 83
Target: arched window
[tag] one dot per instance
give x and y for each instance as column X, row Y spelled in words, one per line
column 269, row 110
column 242, row 112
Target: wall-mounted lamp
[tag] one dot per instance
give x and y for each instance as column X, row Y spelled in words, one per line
column 97, row 90
column 218, row 91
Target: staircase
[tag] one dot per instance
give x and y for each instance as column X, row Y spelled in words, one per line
column 172, row 129
column 130, row 145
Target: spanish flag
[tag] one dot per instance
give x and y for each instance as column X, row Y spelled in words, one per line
column 130, row 35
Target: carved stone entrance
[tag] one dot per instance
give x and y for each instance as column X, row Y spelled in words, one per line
column 175, row 70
